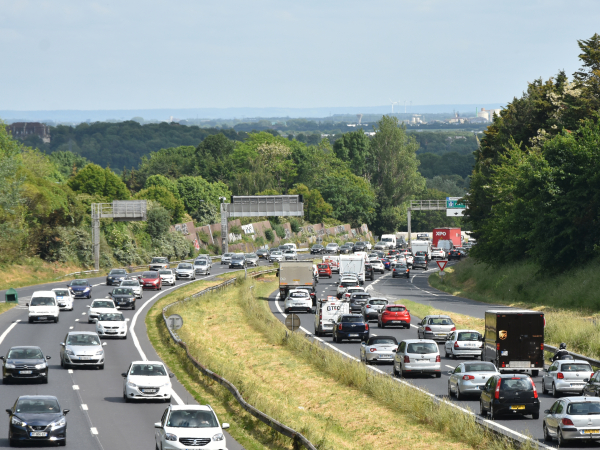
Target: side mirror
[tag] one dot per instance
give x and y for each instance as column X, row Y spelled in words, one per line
column 157, row 425
column 482, row 388
column 127, row 320
column 62, row 344
column 546, row 411
column 9, row 411
column 2, row 358
column 66, row 411
column 171, row 375
column 587, row 380
column 48, row 357
column 26, row 304
column 225, row 425
column 87, row 306
column 124, row 375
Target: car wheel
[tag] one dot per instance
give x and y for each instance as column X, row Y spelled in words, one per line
column 446, row 352
column 482, row 410
column 101, row 367
column 454, row 356
column 439, row 375
column 535, row 373
column 6, row 380
column 535, row 416
column 459, row 396
column 394, row 371
column 127, row 400
column 547, row 436
column 287, row 311
column 90, row 321
column 133, row 306
column 56, row 319
column 492, row 413
column 30, row 320
column 13, row 443
column 45, row 380
column 555, row 393
column 561, row 440
column 544, row 390
column 63, row 443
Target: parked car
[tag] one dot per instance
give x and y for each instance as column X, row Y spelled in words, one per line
column 393, row 315
column 566, row 377
column 251, row 259
column 436, row 327
column 134, row 285
column 420, row 262
column 115, row 276
column 262, row 253
column 370, row 310
column 64, row 299
column 332, row 247
column 350, row 326
column 572, row 419
column 317, row 249
column 238, row 261
column 378, row 349
column 468, row 377
column 123, row 297
column 358, row 299
column 147, row 380
column 202, row 267
column 509, row 394
column 417, row 356
column 35, row 419
column 24, row 363
column 82, row 348
column 112, row 325
column 167, row 276
column 100, row 307
column 226, row 258
column 324, row 270
column 80, row 288
column 400, row 270
column 158, row 263
column 298, row 300
column 199, row 422
column 464, row 343
column 151, row 280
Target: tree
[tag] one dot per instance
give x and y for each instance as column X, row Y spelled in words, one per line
column 96, row 181
column 68, row 163
column 160, row 180
column 165, row 198
column 354, row 148
column 316, row 209
column 158, row 222
column 213, row 157
column 196, row 190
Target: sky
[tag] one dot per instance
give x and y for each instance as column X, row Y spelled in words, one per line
column 90, row 55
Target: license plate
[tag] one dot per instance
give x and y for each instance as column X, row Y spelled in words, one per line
column 469, row 345
column 122, row 303
column 84, row 358
column 591, row 431
column 385, row 356
column 60, row 297
column 38, row 434
column 353, row 335
column 25, row 372
column 517, row 407
column 576, row 384
column 149, row 391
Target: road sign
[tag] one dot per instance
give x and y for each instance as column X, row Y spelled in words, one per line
column 442, row 264
column 452, row 202
column 455, row 212
column 174, row 322
column 292, row 322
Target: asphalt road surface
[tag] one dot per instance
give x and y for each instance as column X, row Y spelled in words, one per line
column 418, row 290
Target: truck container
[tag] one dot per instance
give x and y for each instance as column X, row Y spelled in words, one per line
column 296, row 275
column 421, row 246
column 514, row 340
column 447, row 234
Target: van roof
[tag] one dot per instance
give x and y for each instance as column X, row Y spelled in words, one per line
column 513, row 311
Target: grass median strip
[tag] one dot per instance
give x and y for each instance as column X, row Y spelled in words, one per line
column 333, row 401
column 6, row 306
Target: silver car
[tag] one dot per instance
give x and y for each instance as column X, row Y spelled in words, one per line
column 82, row 348
column 275, row 255
column 464, row 343
column 332, row 247
column 437, row 327
column 572, row 419
column 566, row 376
column 201, row 267
column 371, row 309
column 251, row 259
column 185, row 271
column 468, row 376
column 417, row 356
column 378, row 349
column 380, row 246
column 290, row 255
column 134, row 285
column 226, row 258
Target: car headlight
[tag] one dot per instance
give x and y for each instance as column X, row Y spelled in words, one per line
column 218, row 437
column 58, row 423
column 69, row 352
column 170, row 437
column 167, row 384
column 86, row 289
column 130, row 384
column 40, row 366
column 100, row 352
column 18, row 422
column 9, row 366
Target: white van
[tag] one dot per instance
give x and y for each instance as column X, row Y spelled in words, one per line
column 290, row 246
column 327, row 311
column 43, row 306
column 389, row 240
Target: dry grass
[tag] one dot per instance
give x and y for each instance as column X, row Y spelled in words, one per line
column 335, row 402
column 33, row 271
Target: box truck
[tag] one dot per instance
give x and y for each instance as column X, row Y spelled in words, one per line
column 447, row 234
column 296, row 275
column 421, row 246
column 514, row 340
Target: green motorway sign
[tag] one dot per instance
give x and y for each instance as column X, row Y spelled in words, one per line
column 452, row 202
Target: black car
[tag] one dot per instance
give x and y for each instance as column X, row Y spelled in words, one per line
column 317, row 249
column 24, row 363
column 37, row 418
column 400, row 270
column 123, row 297
column 262, row 253
column 369, row 272
column 420, row 261
column 359, row 247
column 346, row 249
column 358, row 300
column 115, row 276
column 456, row 253
column 509, row 394
column 80, row 288
column 350, row 326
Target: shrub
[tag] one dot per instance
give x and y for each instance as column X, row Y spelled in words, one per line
column 295, row 225
column 269, row 235
column 280, row 231
column 203, row 237
column 158, row 222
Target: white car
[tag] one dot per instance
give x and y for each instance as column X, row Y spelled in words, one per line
column 167, row 276
column 464, row 343
column 298, row 300
column 64, row 299
column 226, row 258
column 98, row 307
column 332, row 247
column 438, row 253
column 351, row 290
column 112, row 325
column 290, row 255
column 377, row 265
column 43, row 307
column 276, row 255
column 346, row 283
column 147, row 379
column 184, row 426
column 134, row 285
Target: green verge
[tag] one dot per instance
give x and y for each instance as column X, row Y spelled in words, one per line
column 6, row 306
column 569, row 301
column 386, row 392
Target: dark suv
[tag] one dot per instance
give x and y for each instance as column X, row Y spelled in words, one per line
column 350, row 326
column 420, row 261
column 509, row 394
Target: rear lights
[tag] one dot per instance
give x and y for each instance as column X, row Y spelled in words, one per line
column 468, row 377
column 542, row 347
column 406, row 359
column 427, row 329
column 340, row 326
column 456, row 344
column 366, row 327
column 373, row 350
column 498, row 346
column 560, row 376
column 453, row 329
column 438, row 359
column 368, row 306
column 497, row 393
column 567, row 421
column 535, row 394
column 503, row 364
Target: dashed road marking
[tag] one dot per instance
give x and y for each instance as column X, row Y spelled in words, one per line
column 75, row 387
column 14, row 324
column 70, row 328
column 70, row 370
column 76, row 320
column 94, row 430
column 449, row 367
column 84, row 406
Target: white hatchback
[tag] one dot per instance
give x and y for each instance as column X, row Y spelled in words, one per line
column 64, row 299
column 147, row 380
column 464, row 343
column 167, row 276
column 112, row 325
column 298, row 300
column 186, row 426
column 100, row 307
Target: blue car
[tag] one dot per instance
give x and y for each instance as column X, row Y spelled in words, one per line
column 350, row 326
column 80, row 288
column 387, row 264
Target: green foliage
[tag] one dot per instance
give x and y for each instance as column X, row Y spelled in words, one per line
column 236, row 230
column 316, row 209
column 196, row 190
column 295, row 225
column 169, row 162
column 269, row 235
column 206, row 214
column 431, row 165
column 204, row 237
column 68, row 163
column 166, row 198
column 96, row 181
column 354, row 148
column 158, row 222
column 279, row 230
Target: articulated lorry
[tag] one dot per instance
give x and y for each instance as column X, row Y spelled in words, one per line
column 296, row 275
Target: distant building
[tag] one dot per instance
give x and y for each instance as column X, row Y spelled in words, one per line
column 488, row 114
column 21, row 130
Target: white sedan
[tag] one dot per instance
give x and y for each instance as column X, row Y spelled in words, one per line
column 147, row 380
column 112, row 325
column 134, row 285
column 100, row 307
column 167, row 276
column 64, row 299
column 464, row 343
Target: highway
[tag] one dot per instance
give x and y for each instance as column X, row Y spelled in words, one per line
column 418, row 290
column 99, row 418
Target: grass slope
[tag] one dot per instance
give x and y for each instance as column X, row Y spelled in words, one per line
column 34, row 271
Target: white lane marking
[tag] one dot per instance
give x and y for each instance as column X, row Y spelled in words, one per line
column 449, row 367
column 70, row 370
column 70, row 328
column 412, row 279
column 75, row 387
column 94, row 285
column 14, row 324
column 84, row 406
column 94, row 430
column 83, row 314
column 76, row 320
column 413, row 326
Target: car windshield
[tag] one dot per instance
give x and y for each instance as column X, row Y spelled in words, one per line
column 331, row 245
column 200, row 262
column 159, row 260
column 237, row 257
column 83, row 339
column 118, row 272
column 468, row 336
column 165, row 272
column 37, row 406
column 25, row 353
column 130, row 283
column 440, row 321
column 42, row 301
column 275, row 253
column 422, row 348
column 251, row 255
column 150, row 275
column 192, row 419
column 352, row 319
column 480, row 367
column 583, row 408
column 575, row 368
column 61, row 292
column 516, row 384
column 378, row 302
column 112, row 317
column 381, row 341
column 360, row 296
column 122, row 291
column 150, row 370
column 184, row 266
column 79, row 283
column 289, row 251
column 227, row 255
column 396, row 308
column 102, row 304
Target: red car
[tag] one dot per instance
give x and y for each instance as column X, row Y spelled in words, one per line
column 393, row 315
column 151, row 280
column 324, row 270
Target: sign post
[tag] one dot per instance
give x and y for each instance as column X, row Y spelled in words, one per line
column 442, row 265
column 292, row 322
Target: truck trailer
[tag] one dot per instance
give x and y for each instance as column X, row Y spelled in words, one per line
column 447, row 234
column 296, row 275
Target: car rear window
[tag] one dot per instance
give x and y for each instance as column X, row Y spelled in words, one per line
column 575, row 368
column 381, row 341
column 299, row 294
column 63, row 292
column 352, row 319
column 583, row 408
column 440, row 321
column 118, row 272
column 480, row 367
column 468, row 336
column 516, row 384
column 361, row 296
column 160, row 260
column 396, row 308
column 422, row 348
column 347, row 283
column 323, row 266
